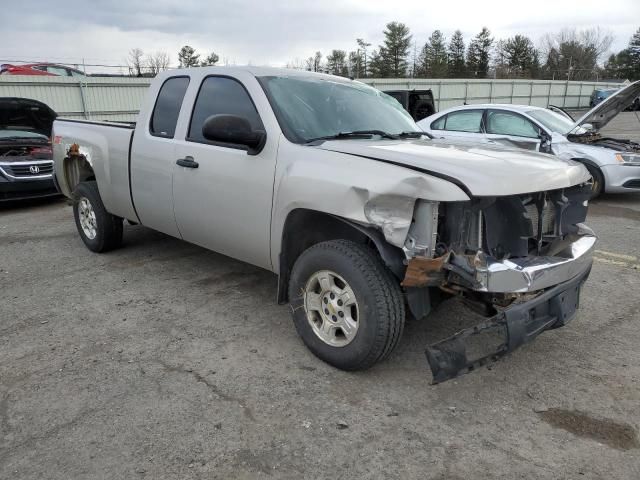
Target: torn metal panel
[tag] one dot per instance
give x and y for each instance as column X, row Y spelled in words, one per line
column 423, row 271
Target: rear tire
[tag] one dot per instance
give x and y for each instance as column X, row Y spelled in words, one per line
column 100, row 231
column 598, row 180
column 340, row 269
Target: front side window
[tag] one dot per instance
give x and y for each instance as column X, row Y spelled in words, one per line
column 509, row 123
column 314, row 107
column 221, row 95
column 165, row 113
column 464, row 121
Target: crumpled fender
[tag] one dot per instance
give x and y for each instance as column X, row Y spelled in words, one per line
column 341, row 185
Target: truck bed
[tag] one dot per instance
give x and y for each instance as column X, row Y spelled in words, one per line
column 106, row 147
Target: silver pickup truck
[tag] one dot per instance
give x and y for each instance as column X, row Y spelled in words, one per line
column 331, row 185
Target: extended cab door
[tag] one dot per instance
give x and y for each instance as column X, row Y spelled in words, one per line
column 222, row 197
column 153, row 158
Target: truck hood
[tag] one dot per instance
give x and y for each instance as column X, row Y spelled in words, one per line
column 611, row 106
column 478, row 169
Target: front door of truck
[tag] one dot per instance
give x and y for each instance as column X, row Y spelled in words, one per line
column 222, row 195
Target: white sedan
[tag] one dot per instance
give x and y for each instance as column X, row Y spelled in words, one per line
column 614, row 164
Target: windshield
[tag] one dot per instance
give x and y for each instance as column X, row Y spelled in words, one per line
column 27, row 135
column 309, row 108
column 551, row 120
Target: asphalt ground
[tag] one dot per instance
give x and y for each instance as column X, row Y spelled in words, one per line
column 164, row 360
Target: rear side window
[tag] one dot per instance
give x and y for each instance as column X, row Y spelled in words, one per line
column 221, row 95
column 167, row 108
column 464, row 121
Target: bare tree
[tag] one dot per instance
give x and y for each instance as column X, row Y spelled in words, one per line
column 135, row 61
column 157, row 62
column 296, row 64
column 574, row 54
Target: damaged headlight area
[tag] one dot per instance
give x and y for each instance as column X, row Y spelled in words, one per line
column 393, row 214
column 518, row 243
column 520, row 261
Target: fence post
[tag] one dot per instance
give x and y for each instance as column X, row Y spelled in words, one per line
column 85, row 112
column 549, row 94
column 490, row 92
column 466, row 90
column 564, row 99
column 580, row 96
column 530, row 92
column 439, row 94
column 513, row 87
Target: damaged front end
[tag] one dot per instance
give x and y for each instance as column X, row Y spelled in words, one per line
column 520, row 260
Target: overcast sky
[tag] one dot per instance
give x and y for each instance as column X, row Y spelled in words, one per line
column 275, row 32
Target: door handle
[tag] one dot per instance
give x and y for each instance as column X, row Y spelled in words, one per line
column 188, row 162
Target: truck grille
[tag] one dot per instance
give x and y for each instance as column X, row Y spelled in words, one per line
column 27, row 169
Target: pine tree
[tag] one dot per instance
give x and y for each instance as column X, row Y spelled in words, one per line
column 521, row 56
column 187, row 57
column 456, row 63
column 395, row 51
column 433, row 58
column 479, row 54
column 337, row 63
column 211, row 59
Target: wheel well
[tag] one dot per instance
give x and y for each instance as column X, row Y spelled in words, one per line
column 304, row 228
column 77, row 169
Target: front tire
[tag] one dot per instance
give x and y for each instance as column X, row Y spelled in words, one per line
column 346, row 305
column 598, row 181
column 100, row 231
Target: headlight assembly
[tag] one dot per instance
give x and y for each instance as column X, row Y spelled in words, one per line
column 632, row 158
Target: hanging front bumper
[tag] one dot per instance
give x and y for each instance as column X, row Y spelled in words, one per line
column 514, row 326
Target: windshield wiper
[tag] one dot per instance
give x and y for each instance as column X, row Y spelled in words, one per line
column 414, row 134
column 354, row 134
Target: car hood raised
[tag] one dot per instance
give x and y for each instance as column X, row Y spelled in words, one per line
column 17, row 113
column 611, row 106
column 480, row 170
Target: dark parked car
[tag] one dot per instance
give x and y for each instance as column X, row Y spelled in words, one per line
column 419, row 103
column 599, row 94
column 26, row 161
column 47, row 69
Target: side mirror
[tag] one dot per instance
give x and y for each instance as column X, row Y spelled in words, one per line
column 234, row 130
column 545, row 142
column 587, row 126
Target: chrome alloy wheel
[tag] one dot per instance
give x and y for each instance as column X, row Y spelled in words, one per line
column 331, row 308
column 87, row 218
